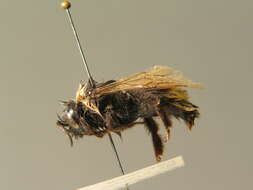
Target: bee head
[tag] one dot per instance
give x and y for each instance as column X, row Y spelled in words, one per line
column 71, row 120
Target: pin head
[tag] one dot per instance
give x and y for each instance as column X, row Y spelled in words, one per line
column 65, row 5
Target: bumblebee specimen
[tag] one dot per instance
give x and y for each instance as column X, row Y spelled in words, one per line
column 117, row 105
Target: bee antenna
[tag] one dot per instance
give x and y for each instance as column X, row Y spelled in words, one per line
column 61, row 121
column 63, row 102
column 59, row 117
column 66, row 5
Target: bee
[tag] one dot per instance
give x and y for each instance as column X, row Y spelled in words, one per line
column 117, row 105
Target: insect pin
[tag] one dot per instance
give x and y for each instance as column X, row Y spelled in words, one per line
column 78, row 112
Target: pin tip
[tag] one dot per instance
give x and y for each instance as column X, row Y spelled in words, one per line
column 65, row 5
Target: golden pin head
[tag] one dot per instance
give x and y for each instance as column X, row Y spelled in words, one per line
column 65, row 5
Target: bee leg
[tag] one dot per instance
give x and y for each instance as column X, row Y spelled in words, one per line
column 165, row 116
column 157, row 141
column 111, row 121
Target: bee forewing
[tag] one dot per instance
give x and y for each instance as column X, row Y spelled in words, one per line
column 158, row 77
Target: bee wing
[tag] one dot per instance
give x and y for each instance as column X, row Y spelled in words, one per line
column 158, row 77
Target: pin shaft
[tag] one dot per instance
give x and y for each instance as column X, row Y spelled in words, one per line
column 117, row 157
column 79, row 44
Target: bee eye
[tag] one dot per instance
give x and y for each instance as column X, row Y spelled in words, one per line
column 70, row 113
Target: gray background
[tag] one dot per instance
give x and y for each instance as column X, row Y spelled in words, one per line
column 209, row 41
